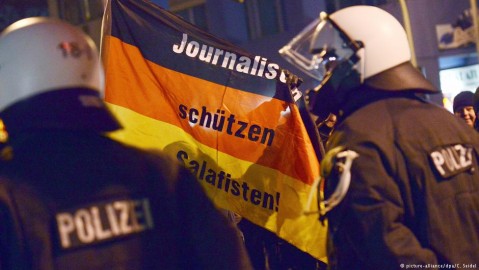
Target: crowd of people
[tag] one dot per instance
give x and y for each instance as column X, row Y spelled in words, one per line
column 400, row 174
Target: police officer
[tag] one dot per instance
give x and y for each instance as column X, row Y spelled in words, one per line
column 402, row 179
column 72, row 198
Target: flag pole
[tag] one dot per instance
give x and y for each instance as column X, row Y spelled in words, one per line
column 105, row 31
column 407, row 26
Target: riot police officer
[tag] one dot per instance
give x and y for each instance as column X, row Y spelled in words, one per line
column 71, row 197
column 401, row 174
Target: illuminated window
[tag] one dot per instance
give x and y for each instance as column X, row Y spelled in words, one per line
column 193, row 11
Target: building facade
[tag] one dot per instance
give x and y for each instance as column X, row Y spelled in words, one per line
column 441, row 29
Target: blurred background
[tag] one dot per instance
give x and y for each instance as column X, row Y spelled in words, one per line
column 443, row 33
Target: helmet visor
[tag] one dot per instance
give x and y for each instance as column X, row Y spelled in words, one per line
column 319, row 47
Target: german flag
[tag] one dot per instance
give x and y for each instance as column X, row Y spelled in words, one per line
column 224, row 113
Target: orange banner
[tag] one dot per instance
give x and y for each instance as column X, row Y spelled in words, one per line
column 226, row 115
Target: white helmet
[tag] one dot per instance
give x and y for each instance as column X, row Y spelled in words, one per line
column 370, row 34
column 349, row 48
column 42, row 54
column 383, row 37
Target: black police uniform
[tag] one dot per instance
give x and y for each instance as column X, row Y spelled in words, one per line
column 71, row 198
column 414, row 192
